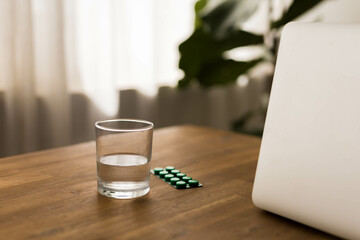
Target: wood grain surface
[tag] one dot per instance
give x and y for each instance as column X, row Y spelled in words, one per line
column 52, row 194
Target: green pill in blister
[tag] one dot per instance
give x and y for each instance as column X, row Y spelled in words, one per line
column 158, row 170
column 169, row 168
column 163, row 173
column 168, row 177
column 193, row 183
column 175, row 171
column 180, row 184
column 181, row 175
column 174, row 180
column 186, row 179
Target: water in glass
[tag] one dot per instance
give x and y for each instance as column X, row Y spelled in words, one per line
column 123, row 175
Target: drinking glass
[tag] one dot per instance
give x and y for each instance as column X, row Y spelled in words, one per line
column 123, row 154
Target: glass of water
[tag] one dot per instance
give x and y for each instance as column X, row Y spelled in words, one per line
column 123, row 153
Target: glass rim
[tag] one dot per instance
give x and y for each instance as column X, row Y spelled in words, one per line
column 139, row 129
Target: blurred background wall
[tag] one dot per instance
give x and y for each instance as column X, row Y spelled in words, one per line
column 66, row 63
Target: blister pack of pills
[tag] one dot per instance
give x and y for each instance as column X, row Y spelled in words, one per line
column 175, row 177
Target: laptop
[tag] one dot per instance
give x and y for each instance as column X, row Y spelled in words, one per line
column 309, row 162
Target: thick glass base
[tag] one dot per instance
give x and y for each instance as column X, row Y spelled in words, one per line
column 122, row 194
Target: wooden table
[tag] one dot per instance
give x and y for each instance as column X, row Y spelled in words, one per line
column 52, row 194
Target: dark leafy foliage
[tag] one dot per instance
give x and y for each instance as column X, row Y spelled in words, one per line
column 217, row 31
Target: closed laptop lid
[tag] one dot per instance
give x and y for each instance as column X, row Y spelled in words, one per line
column 309, row 162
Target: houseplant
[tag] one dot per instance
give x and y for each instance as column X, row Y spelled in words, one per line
column 218, row 29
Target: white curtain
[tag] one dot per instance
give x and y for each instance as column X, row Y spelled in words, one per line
column 63, row 62
column 66, row 63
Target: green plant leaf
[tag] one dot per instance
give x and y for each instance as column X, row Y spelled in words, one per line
column 240, row 38
column 226, row 16
column 297, row 8
column 201, row 48
column 184, row 82
column 199, row 5
column 223, row 71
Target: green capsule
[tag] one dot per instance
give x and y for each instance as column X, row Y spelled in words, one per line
column 175, row 171
column 186, row 179
column 157, row 170
column 174, row 180
column 180, row 184
column 193, row 183
column 181, row 175
column 168, row 177
column 169, row 168
column 163, row 173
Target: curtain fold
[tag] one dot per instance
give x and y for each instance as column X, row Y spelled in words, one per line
column 50, row 70
column 17, row 77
